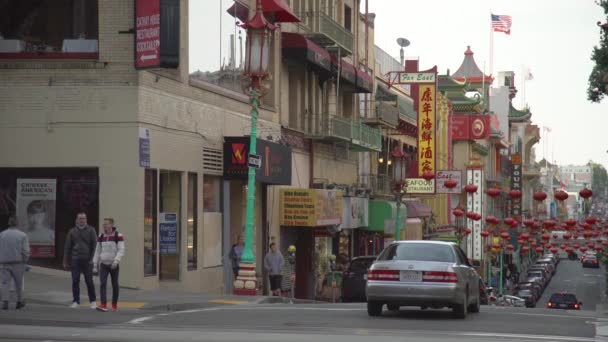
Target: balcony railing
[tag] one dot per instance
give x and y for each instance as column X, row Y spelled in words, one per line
column 361, row 137
column 380, row 185
column 325, row 31
column 384, row 113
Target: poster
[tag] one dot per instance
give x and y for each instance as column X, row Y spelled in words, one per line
column 36, row 200
column 147, row 33
column 168, row 233
column 310, row 207
column 144, row 147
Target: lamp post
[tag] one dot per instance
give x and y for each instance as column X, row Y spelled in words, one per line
column 257, row 54
column 400, row 186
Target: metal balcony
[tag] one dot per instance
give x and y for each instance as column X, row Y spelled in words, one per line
column 384, row 113
column 531, row 171
column 358, row 136
column 380, row 185
column 325, row 31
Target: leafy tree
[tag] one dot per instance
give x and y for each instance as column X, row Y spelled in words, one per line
column 598, row 79
column 600, row 179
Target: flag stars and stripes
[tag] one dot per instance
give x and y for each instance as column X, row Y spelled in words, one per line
column 501, row 23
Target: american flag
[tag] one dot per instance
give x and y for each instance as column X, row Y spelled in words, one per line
column 501, row 23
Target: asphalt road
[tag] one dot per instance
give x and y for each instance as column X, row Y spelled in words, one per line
column 588, row 284
column 318, row 322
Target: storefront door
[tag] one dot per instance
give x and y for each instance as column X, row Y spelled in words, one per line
column 304, row 263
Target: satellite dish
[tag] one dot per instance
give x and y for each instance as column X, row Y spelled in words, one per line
column 403, row 42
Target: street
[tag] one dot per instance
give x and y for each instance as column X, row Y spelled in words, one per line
column 318, row 322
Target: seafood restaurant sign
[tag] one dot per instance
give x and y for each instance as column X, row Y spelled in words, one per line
column 147, row 33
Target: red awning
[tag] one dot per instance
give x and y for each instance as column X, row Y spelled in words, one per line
column 347, row 70
column 297, row 47
column 274, row 11
column 365, row 83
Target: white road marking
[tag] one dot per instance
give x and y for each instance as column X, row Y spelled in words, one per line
column 147, row 318
column 527, row 336
column 140, row 320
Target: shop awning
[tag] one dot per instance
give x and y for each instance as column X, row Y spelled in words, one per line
column 380, row 211
column 274, row 11
column 365, row 83
column 299, row 48
column 417, row 209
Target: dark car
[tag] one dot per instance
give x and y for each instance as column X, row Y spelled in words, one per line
column 535, row 287
column 355, row 277
column 528, row 296
column 483, row 294
column 564, row 300
column 589, row 260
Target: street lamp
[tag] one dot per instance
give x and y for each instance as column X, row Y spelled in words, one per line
column 259, row 32
column 399, row 170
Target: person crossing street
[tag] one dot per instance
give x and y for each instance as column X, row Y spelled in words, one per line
column 14, row 253
column 110, row 250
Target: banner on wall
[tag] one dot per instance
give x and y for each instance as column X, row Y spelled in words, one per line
column 36, row 202
column 168, row 233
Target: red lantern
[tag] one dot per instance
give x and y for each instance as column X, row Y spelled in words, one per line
column 598, row 248
column 585, row 193
column 591, row 220
column 484, row 233
column 540, row 196
column 493, row 192
column 458, row 212
column 467, row 231
column 514, row 224
column 554, row 250
column 510, row 248
column 548, row 246
column 576, row 246
column 563, row 246
column 571, row 223
column 477, row 217
column 555, row 236
column 520, row 242
column 515, row 194
column 587, row 234
column 605, row 242
column 589, row 244
column 471, row 215
column 470, row 188
column 529, row 223
column 496, row 246
column 569, row 250
column 567, row 236
column 525, row 249
column 546, row 237
column 508, row 221
column 560, row 195
column 428, row 175
column 549, row 224
column 584, row 249
column 533, row 243
column 575, row 236
column 539, row 250
column 492, row 220
column 525, row 236
column 450, row 183
column 505, row 235
column 536, row 225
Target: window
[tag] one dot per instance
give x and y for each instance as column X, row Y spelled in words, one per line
column 150, row 210
column 192, row 220
column 170, row 194
column 49, row 29
column 419, row 252
column 211, row 194
column 348, row 18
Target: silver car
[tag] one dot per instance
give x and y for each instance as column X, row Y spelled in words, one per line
column 423, row 273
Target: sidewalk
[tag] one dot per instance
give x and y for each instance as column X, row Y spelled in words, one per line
column 41, row 288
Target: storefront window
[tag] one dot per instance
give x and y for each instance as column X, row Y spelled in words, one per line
column 170, row 209
column 150, row 209
column 192, row 220
column 211, row 194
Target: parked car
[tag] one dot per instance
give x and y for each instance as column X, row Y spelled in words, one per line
column 423, row 273
column 483, row 293
column 555, row 257
column 553, row 261
column 355, row 278
column 535, row 287
column 564, row 300
column 528, row 296
column 511, row 301
column 548, row 264
column 589, row 260
column 545, row 268
column 540, row 275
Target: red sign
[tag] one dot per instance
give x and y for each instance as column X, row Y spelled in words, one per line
column 470, row 127
column 238, row 154
column 147, row 33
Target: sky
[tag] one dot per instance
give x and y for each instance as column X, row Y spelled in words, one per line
column 554, row 38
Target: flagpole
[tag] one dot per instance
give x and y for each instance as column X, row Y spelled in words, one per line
column 491, row 46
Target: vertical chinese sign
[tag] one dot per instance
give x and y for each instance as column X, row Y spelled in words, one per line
column 475, row 203
column 426, row 128
column 147, row 33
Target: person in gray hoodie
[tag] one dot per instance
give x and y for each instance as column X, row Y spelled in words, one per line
column 273, row 264
column 14, row 253
column 78, row 255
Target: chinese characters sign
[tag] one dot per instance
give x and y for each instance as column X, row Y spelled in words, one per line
column 475, row 204
column 147, row 33
column 426, row 128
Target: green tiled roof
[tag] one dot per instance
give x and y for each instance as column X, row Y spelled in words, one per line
column 519, row 115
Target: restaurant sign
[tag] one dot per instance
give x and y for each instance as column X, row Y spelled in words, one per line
column 274, row 161
column 417, row 77
column 420, row 186
column 310, row 207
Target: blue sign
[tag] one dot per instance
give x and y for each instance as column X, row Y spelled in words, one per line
column 168, row 233
column 553, row 209
column 144, row 147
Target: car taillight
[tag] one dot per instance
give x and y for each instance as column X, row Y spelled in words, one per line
column 385, row 275
column 440, row 277
column 595, row 262
column 549, row 304
column 576, row 306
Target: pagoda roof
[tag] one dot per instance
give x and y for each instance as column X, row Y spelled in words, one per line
column 449, row 83
column 519, row 115
column 469, row 71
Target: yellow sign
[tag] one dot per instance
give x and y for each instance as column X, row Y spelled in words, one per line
column 310, row 207
column 426, row 128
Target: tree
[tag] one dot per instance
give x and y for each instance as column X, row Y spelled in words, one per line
column 600, row 179
column 598, row 79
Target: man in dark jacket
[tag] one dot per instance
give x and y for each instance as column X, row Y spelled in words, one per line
column 78, row 256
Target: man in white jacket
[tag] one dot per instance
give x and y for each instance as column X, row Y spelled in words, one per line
column 110, row 249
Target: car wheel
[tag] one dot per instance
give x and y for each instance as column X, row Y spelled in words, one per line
column 392, row 307
column 460, row 310
column 374, row 308
column 475, row 307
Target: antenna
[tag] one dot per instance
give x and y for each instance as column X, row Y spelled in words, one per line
column 403, row 43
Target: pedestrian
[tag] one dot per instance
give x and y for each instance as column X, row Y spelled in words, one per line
column 14, row 253
column 78, row 255
column 236, row 253
column 273, row 264
column 110, row 249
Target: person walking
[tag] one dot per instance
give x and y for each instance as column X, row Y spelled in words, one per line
column 14, row 253
column 110, row 249
column 78, row 257
column 236, row 252
column 273, row 264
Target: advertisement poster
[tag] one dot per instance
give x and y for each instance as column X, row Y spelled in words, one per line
column 36, row 200
column 310, row 207
column 147, row 33
column 168, row 233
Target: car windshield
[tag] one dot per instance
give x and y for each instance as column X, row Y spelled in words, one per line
column 419, row 252
column 524, row 293
column 567, row 298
